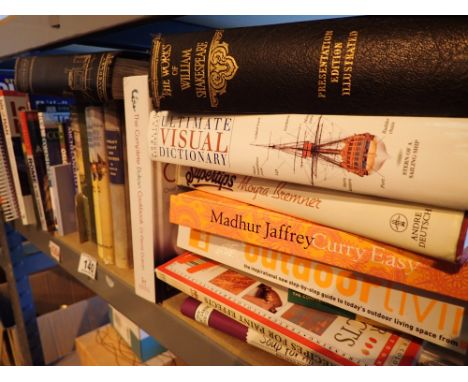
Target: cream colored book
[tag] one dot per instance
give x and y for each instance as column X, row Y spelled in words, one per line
column 114, row 134
column 431, row 231
column 100, row 183
column 417, row 159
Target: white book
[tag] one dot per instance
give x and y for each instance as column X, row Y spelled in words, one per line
column 8, row 200
column 150, row 185
column 10, row 104
column 417, row 159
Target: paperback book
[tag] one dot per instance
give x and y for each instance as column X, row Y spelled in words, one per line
column 428, row 230
column 11, row 103
column 325, row 338
column 265, row 228
column 410, row 310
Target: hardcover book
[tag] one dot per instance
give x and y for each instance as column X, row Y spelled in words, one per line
column 392, row 157
column 375, row 65
column 265, row 228
column 118, row 177
column 63, row 194
column 425, row 315
column 92, row 78
column 326, row 338
column 11, row 103
column 428, row 230
column 208, row 316
column 99, row 168
column 150, row 186
column 34, row 154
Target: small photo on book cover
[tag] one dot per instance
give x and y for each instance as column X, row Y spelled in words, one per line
column 233, row 282
column 311, row 319
column 265, row 297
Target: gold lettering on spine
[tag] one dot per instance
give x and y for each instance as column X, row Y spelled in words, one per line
column 221, row 67
column 103, row 75
column 335, row 62
column 199, row 70
column 348, row 63
column 154, row 65
column 165, row 65
column 185, row 69
column 323, row 65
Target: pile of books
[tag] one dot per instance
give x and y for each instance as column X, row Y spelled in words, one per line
column 327, row 160
column 336, row 237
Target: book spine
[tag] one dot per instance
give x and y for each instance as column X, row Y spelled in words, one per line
column 71, row 152
column 150, row 186
column 86, row 76
column 100, row 181
column 345, row 65
column 84, row 205
column 140, row 180
column 114, row 147
column 385, row 220
column 64, row 194
column 8, row 199
column 10, row 105
column 63, row 143
column 412, row 311
column 391, row 157
column 208, row 316
column 280, row 232
column 28, row 153
column 49, row 134
column 325, row 338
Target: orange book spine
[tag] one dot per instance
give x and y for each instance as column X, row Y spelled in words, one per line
column 255, row 225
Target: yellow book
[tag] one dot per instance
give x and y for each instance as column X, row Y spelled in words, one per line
column 100, row 182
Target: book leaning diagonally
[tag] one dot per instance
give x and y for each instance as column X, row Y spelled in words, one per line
column 411, row 311
column 150, row 185
column 391, row 157
column 326, row 338
column 265, row 228
column 431, row 231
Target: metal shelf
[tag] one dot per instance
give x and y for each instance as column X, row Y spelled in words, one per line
column 189, row 340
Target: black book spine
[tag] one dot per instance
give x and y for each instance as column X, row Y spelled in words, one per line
column 370, row 65
column 87, row 76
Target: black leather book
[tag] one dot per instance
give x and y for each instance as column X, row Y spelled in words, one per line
column 369, row 65
column 92, row 78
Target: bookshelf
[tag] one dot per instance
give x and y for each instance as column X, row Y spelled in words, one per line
column 192, row 342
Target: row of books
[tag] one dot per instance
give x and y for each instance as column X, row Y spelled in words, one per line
column 67, row 171
column 357, row 210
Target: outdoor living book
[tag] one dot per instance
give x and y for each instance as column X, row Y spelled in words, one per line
column 428, row 230
column 410, row 310
column 326, row 338
column 265, row 228
column 375, row 65
column 417, row 159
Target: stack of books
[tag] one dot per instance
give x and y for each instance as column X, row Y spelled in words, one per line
column 328, row 161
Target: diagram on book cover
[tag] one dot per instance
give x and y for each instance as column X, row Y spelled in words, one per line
column 322, row 150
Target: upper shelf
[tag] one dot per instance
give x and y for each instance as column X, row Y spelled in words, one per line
column 54, row 34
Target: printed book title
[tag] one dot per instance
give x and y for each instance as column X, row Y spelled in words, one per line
column 194, row 139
